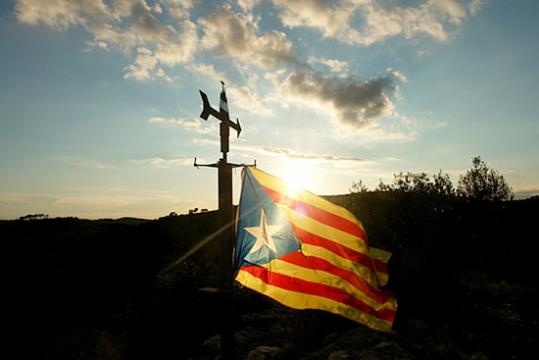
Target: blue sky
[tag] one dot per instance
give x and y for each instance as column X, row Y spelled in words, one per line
column 99, row 100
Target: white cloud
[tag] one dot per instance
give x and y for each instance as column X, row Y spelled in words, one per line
column 190, row 124
column 62, row 14
column 81, row 162
column 476, row 5
column 165, row 121
column 102, row 166
column 181, row 49
column 247, row 5
column 441, row 124
column 397, row 74
column 161, row 74
column 292, row 154
column 329, row 18
column 430, row 18
column 143, row 67
column 160, row 162
column 423, row 54
column 235, row 36
column 334, row 19
column 334, row 65
column 95, row 44
column 123, row 24
column 180, row 9
column 156, row 8
column 246, row 99
column 209, row 71
column 275, row 77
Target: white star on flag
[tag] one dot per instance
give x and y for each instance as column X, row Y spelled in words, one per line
column 263, row 234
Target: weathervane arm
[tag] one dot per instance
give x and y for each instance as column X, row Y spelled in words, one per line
column 236, row 126
column 207, row 110
column 197, row 165
column 242, row 164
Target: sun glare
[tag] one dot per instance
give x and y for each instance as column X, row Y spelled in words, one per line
column 298, row 175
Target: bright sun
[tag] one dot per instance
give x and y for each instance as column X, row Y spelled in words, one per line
column 298, row 175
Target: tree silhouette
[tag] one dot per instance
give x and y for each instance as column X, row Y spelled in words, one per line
column 442, row 184
column 419, row 183
column 358, row 187
column 483, row 183
column 34, row 217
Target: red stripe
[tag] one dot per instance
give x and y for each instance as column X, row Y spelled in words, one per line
column 315, row 263
column 317, row 214
column 312, row 288
column 343, row 251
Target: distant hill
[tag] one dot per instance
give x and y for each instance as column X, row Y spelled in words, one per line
column 126, row 221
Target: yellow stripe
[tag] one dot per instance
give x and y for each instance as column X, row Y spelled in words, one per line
column 379, row 254
column 384, row 256
column 360, row 269
column 279, row 185
column 299, row 300
column 325, row 278
column 382, row 278
column 325, row 231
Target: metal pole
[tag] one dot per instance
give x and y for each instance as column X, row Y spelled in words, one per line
column 226, row 218
column 227, row 244
column 224, row 132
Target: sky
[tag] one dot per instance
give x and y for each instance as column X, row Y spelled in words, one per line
column 99, row 101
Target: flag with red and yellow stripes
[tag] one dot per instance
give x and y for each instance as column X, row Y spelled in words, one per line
column 308, row 253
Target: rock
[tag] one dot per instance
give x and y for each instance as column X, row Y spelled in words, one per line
column 368, row 355
column 417, row 329
column 330, row 338
column 385, row 344
column 478, row 356
column 389, row 350
column 340, row 355
column 352, row 341
column 359, row 338
column 212, row 343
column 263, row 353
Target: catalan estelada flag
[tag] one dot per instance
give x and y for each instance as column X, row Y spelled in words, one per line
column 308, row 253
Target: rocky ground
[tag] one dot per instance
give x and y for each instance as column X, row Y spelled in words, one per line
column 491, row 320
column 273, row 334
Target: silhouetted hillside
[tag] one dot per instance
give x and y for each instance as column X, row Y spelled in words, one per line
column 462, row 272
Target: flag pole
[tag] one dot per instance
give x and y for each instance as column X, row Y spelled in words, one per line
column 226, row 219
column 225, row 258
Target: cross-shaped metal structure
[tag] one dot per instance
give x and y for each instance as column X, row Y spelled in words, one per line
column 226, row 216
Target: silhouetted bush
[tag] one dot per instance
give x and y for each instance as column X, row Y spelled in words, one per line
column 483, row 183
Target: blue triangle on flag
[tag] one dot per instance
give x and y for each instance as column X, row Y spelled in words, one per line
column 263, row 233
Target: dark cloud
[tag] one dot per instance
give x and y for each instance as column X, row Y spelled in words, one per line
column 355, row 101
